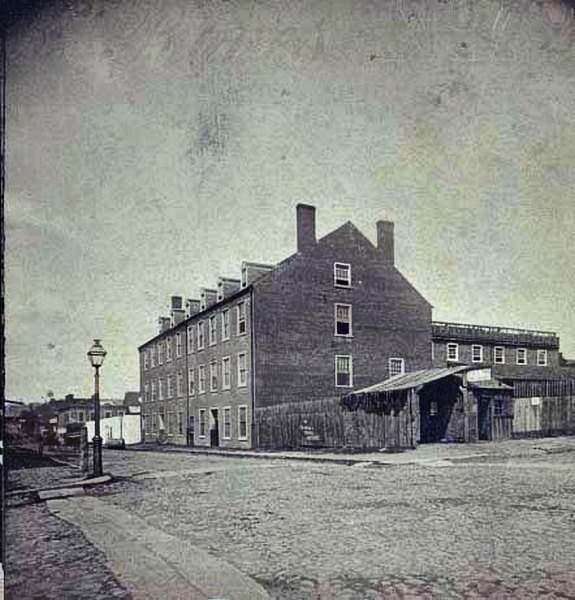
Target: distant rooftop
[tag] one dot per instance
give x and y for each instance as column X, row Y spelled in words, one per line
column 467, row 332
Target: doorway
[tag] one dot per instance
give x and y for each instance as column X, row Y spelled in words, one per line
column 215, row 429
column 484, row 417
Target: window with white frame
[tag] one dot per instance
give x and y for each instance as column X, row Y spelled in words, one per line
column 343, row 371
column 226, row 373
column 169, row 387
column 153, row 356
column 202, row 422
column 476, row 353
column 201, row 379
column 227, row 429
column 160, row 352
column 191, row 382
column 200, row 338
column 146, row 392
column 242, row 370
column 213, row 376
column 212, row 330
column 342, row 274
column 499, row 355
column 521, row 356
column 452, row 351
column 180, row 384
column 160, row 389
column 396, row 366
column 542, row 358
column 154, row 390
column 146, row 361
column 190, row 339
column 242, row 422
column 226, row 324
column 168, row 349
column 343, row 320
column 179, row 344
column 241, row 314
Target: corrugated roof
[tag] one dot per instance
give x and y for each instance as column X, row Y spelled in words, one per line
column 411, row 380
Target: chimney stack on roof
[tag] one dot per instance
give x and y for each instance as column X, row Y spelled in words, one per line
column 192, row 307
column 386, row 242
column 227, row 287
column 163, row 324
column 252, row 271
column 305, row 227
column 208, row 297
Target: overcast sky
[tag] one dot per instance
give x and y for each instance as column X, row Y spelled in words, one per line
column 154, row 145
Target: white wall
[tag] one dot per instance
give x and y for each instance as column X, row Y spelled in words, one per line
column 127, row 427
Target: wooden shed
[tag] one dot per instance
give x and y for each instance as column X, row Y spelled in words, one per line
column 458, row 404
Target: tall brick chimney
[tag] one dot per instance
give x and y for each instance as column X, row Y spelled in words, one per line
column 305, row 227
column 386, row 242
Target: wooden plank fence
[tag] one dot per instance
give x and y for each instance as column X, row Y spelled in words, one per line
column 544, row 408
column 282, row 426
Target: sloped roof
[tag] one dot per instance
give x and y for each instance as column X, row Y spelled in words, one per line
column 411, row 380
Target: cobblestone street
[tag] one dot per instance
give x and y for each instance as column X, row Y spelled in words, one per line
column 497, row 524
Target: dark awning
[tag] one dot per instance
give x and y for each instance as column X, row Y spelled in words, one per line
column 412, row 380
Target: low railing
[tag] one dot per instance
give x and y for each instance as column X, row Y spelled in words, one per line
column 469, row 332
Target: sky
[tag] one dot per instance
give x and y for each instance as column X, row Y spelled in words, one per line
column 154, row 145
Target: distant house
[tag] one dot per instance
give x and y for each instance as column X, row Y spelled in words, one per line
column 72, row 410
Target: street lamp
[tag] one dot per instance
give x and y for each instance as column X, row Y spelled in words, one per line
column 96, row 356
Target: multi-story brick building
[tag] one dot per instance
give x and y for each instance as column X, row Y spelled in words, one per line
column 335, row 315
column 513, row 354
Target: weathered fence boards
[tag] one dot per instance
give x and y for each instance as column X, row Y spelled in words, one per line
column 543, row 416
column 282, row 426
column 547, row 388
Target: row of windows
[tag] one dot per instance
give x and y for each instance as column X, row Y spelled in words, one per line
column 344, row 369
column 216, row 376
column 225, row 425
column 157, row 421
column 220, row 377
column 196, row 336
column 498, row 354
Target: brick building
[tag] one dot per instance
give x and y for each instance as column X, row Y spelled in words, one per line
column 335, row 315
column 514, row 354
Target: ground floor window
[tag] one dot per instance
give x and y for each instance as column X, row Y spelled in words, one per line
column 242, row 422
column 343, row 371
column 396, row 366
column 227, row 433
column 202, row 415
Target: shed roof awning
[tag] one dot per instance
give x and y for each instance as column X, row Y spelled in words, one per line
column 411, row 380
column 490, row 384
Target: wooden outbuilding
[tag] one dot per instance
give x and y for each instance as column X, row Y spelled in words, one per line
column 459, row 404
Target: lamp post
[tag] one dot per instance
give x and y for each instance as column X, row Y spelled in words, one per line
column 96, row 356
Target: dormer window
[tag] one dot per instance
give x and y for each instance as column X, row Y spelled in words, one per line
column 342, row 275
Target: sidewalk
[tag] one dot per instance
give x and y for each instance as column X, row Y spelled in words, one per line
column 425, row 454
column 150, row 563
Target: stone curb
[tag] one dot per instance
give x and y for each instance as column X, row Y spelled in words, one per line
column 268, row 456
column 81, row 483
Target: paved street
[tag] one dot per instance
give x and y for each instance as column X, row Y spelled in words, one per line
column 490, row 520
